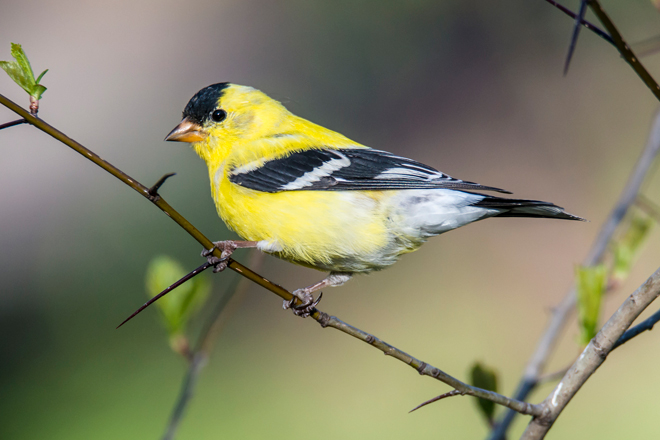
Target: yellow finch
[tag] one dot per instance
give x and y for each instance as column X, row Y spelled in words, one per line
column 311, row 196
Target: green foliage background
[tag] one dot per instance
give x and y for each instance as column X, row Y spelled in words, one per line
column 474, row 89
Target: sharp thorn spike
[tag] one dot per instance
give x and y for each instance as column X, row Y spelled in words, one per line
column 13, row 123
column 188, row 276
column 435, row 399
column 153, row 191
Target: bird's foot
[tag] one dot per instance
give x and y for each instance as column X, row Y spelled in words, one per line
column 308, row 302
column 226, row 247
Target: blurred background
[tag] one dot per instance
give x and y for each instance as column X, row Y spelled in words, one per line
column 474, row 89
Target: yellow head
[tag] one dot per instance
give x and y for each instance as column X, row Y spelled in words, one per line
column 223, row 114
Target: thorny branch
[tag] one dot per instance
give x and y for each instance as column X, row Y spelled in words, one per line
column 324, row 319
column 624, row 49
column 562, row 312
column 422, row 367
column 592, row 27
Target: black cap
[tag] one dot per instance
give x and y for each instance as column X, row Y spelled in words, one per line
column 201, row 105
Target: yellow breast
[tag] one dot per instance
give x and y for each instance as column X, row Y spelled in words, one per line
column 309, row 227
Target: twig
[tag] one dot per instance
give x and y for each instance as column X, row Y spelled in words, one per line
column 187, row 277
column 12, row 123
column 422, row 367
column 643, row 326
column 562, row 312
column 593, row 356
column 153, row 191
column 435, row 399
column 592, row 27
column 576, row 33
column 624, row 49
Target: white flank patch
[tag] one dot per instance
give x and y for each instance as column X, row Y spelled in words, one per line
column 317, row 174
column 428, row 212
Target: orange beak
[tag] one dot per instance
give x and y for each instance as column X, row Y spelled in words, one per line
column 187, row 131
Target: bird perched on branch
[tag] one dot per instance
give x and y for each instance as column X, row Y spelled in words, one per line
column 311, row 196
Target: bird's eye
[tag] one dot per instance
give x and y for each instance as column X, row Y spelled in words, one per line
column 219, row 115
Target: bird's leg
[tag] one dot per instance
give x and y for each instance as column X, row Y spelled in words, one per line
column 227, row 248
column 305, row 294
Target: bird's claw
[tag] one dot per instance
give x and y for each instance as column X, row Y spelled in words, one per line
column 219, row 264
column 308, row 303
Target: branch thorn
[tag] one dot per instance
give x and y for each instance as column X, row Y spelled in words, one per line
column 576, row 32
column 153, row 191
column 592, row 27
column 187, row 277
column 13, row 123
column 435, row 399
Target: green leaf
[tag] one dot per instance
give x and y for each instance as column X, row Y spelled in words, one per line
column 177, row 307
column 591, row 283
column 41, row 76
column 17, row 74
column 627, row 248
column 484, row 377
column 20, row 71
column 22, row 60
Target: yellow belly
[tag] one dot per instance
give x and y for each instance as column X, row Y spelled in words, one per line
column 327, row 230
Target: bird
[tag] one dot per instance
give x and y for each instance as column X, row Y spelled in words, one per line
column 312, row 196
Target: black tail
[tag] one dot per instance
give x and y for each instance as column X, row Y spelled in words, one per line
column 525, row 208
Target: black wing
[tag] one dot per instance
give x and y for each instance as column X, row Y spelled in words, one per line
column 345, row 170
